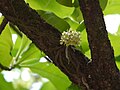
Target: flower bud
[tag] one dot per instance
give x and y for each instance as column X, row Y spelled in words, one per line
column 70, row 37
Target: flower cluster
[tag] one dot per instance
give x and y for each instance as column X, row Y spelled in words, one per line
column 70, row 37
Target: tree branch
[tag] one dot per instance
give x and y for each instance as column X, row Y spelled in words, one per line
column 46, row 39
column 103, row 61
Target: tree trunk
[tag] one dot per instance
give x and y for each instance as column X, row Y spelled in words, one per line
column 99, row 74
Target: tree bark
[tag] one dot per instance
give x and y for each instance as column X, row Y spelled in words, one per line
column 103, row 62
column 100, row 74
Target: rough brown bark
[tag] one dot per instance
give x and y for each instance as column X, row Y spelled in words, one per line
column 103, row 62
column 100, row 74
column 46, row 38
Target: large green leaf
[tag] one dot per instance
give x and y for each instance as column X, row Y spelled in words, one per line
column 77, row 15
column 16, row 47
column 17, row 36
column 48, row 86
column 118, row 63
column 103, row 3
column 65, row 2
column 51, row 72
column 115, row 40
column 73, row 24
column 25, row 53
column 21, row 46
column 31, row 56
column 24, row 44
column 81, row 27
column 6, row 45
column 118, row 32
column 113, row 7
column 5, row 85
column 75, row 3
column 55, row 21
column 84, row 42
column 117, row 58
column 52, row 6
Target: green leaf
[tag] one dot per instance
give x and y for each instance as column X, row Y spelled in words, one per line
column 31, row 56
column 118, row 64
column 77, row 15
column 24, row 45
column 17, row 36
column 113, row 7
column 118, row 32
column 88, row 54
column 117, row 59
column 5, row 85
column 6, row 45
column 65, row 2
column 20, row 46
column 103, row 3
column 51, row 6
column 51, row 72
column 75, row 3
column 73, row 24
column 55, row 21
column 81, row 27
column 25, row 53
column 1, row 19
column 16, row 46
column 48, row 86
column 115, row 40
column 84, row 41
column 84, row 46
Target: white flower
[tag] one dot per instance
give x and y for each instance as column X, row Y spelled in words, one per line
column 70, row 37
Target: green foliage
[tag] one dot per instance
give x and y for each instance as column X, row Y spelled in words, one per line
column 54, row 20
column 103, row 3
column 115, row 39
column 77, row 15
column 6, row 45
column 25, row 54
column 5, row 85
column 112, row 7
column 51, row 6
column 48, row 85
column 51, row 72
column 66, row 2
